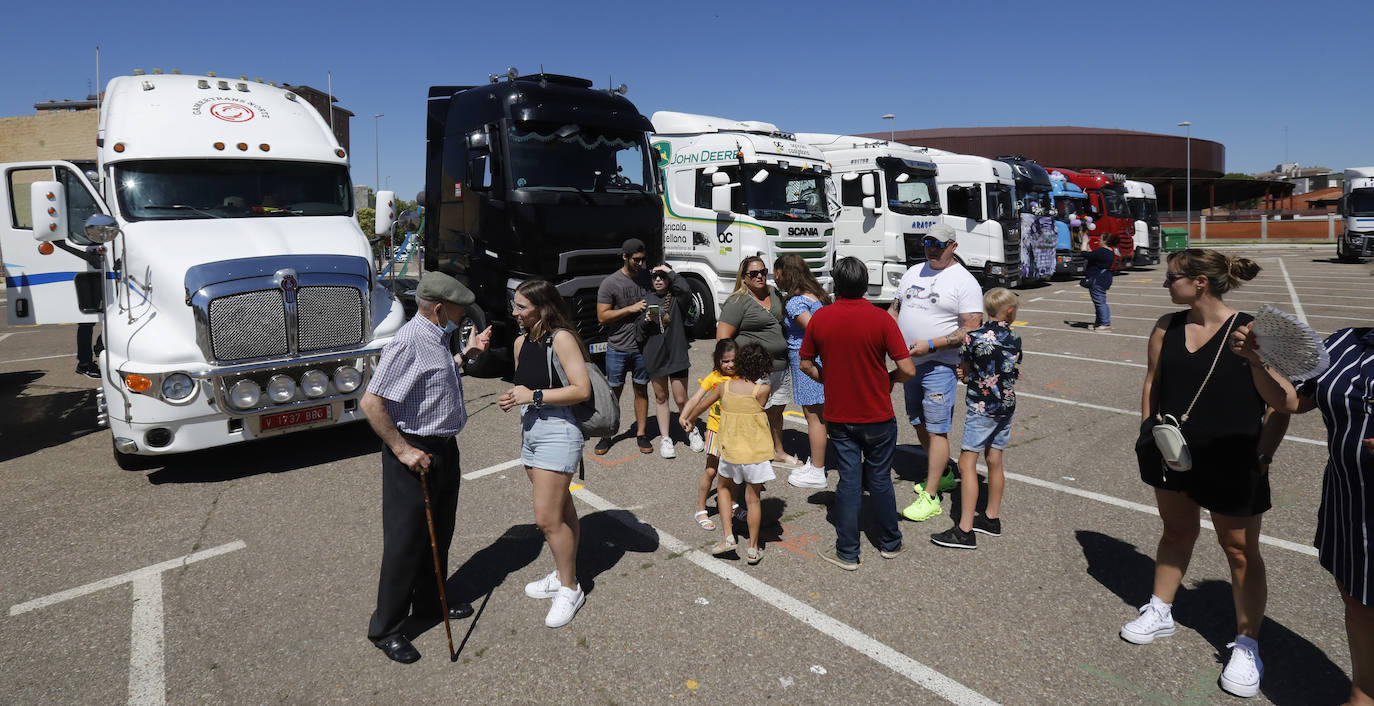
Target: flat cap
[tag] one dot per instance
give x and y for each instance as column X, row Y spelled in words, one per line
column 437, row 287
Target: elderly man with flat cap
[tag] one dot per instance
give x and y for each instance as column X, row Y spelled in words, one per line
column 415, row 404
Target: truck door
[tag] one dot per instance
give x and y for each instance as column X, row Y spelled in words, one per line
column 859, row 231
column 41, row 289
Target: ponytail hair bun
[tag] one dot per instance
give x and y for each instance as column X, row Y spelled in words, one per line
column 1241, row 269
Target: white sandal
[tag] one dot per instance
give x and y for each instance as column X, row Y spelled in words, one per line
column 704, row 521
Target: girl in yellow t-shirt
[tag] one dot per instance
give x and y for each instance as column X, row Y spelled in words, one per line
column 745, row 442
column 723, row 369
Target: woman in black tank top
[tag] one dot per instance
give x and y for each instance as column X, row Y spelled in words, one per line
column 1231, row 439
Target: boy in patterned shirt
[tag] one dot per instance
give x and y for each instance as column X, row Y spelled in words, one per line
column 988, row 364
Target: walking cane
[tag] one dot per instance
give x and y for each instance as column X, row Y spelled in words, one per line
column 434, row 549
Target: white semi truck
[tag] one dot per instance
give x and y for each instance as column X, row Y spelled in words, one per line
column 888, row 202
column 1357, row 215
column 217, row 246
column 1144, row 205
column 734, row 189
column 977, row 198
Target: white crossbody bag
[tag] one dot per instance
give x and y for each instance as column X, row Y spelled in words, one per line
column 1168, row 430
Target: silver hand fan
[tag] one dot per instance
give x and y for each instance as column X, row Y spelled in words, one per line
column 1289, row 345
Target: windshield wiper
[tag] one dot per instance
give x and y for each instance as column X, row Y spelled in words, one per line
column 268, row 211
column 179, row 207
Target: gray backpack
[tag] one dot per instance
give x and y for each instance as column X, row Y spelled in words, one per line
column 598, row 416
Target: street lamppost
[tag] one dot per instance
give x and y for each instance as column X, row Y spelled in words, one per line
column 1188, row 147
column 891, row 133
column 377, row 151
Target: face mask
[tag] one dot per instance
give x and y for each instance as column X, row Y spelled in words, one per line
column 450, row 327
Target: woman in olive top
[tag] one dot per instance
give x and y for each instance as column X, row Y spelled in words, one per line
column 754, row 314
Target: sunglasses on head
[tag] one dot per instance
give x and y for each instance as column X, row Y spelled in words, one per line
column 930, row 242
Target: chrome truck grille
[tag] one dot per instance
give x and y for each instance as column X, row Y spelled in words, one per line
column 277, row 307
column 818, row 252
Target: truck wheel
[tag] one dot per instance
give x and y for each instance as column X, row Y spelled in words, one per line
column 475, row 320
column 1341, row 254
column 701, row 317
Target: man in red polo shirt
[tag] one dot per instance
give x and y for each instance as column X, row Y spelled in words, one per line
column 846, row 349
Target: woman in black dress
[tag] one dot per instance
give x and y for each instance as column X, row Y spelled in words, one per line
column 1231, row 434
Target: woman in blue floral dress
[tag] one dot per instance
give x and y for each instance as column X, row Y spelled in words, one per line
column 805, row 297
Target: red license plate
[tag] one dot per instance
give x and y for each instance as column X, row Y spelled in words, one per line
column 292, row 418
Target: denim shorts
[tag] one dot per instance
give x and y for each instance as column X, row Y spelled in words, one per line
column 930, row 397
column 983, row 432
column 550, row 439
column 618, row 362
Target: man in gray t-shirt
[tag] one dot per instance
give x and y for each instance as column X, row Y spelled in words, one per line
column 619, row 301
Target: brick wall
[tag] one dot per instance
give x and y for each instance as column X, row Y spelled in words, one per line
column 48, row 135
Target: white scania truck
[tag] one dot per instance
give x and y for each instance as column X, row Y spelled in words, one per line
column 888, row 202
column 978, row 198
column 735, row 189
column 216, row 245
column 1357, row 215
column 1144, row 205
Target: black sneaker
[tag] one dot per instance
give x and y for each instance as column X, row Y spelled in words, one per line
column 956, row 538
column 991, row 526
column 602, row 446
column 645, row 446
column 90, row 370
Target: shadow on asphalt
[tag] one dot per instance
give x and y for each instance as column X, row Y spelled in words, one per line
column 1297, row 671
column 273, row 455
column 41, row 421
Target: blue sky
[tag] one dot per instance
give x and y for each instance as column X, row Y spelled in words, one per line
column 1240, row 71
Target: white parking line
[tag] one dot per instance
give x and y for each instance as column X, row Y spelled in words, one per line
column 1075, row 329
column 1071, row 313
column 3, row 336
column 41, row 357
column 492, row 469
column 1297, row 306
column 1086, row 360
column 845, row 634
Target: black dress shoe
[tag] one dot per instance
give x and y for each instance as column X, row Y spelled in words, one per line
column 399, row 649
column 456, row 611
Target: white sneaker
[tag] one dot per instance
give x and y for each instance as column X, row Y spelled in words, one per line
column 665, row 448
column 565, row 606
column 546, row 587
column 1156, row 620
column 698, row 444
column 808, row 476
column 1244, row 670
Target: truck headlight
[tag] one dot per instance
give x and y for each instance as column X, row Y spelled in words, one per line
column 245, row 394
column 281, row 388
column 177, row 387
column 347, row 378
column 894, row 278
column 314, row 383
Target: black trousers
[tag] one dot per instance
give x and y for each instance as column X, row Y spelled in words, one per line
column 407, row 579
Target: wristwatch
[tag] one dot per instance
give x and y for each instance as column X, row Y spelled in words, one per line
column 538, row 398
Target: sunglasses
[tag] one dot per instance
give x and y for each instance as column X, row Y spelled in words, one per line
column 1171, row 277
column 637, row 260
column 756, row 273
column 930, row 242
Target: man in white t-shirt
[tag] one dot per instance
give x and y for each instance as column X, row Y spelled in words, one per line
column 938, row 302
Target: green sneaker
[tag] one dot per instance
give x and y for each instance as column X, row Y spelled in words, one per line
column 947, row 481
column 923, row 509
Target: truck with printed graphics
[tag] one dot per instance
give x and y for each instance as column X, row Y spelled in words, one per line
column 1038, row 235
column 1357, row 215
column 1108, row 209
column 1140, row 197
column 733, row 189
column 216, row 244
column 1070, row 206
column 539, row 175
column 977, row 199
column 888, row 202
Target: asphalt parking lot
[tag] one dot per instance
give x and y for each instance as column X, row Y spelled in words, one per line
column 247, row 574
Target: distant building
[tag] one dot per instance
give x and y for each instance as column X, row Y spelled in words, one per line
column 1304, row 179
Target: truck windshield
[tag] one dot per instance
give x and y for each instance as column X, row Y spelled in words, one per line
column 230, row 188
column 1360, row 203
column 1137, row 208
column 1068, row 207
column 916, row 195
column 549, row 156
column 1000, row 205
column 1115, row 201
column 785, row 195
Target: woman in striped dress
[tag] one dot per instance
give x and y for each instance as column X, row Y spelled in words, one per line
column 1345, row 521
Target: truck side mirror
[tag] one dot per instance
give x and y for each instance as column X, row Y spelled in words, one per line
column 720, row 196
column 409, row 220
column 870, row 204
column 719, row 178
column 386, row 213
column 867, row 185
column 100, row 228
column 48, row 205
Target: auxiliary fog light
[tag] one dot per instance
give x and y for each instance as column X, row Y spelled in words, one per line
column 281, row 388
column 347, row 378
column 177, row 387
column 314, row 383
column 245, row 394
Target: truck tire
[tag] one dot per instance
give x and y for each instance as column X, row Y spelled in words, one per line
column 487, row 364
column 701, row 317
column 1341, row 254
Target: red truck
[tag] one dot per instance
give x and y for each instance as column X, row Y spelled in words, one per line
column 1107, row 196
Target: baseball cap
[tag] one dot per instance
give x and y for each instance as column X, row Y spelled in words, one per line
column 632, row 246
column 943, row 233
